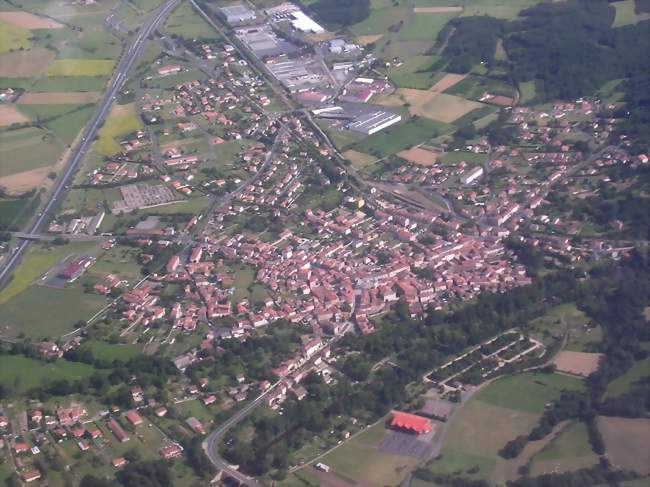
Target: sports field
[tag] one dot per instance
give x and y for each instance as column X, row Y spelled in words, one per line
column 577, row 363
column 360, row 460
column 80, row 67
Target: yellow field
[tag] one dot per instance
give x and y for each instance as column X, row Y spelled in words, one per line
column 122, row 120
column 80, row 67
column 13, row 37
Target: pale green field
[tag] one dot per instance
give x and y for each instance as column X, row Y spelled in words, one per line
column 80, row 67
column 13, row 37
column 625, row 14
column 121, row 121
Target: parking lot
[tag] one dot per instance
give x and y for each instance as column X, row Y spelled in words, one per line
column 407, row 444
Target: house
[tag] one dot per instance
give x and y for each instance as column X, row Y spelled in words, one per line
column 30, row 475
column 161, row 411
column 196, row 425
column 171, row 451
column 133, row 417
column 118, row 462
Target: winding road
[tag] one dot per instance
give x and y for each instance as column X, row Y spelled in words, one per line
column 78, row 153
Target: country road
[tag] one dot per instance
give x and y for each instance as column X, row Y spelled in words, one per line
column 78, row 153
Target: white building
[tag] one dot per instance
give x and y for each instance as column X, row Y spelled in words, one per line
column 372, row 123
column 237, row 13
column 471, row 175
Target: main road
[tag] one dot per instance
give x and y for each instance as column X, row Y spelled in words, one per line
column 116, row 83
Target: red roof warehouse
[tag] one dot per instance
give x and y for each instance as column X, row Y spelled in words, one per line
column 410, row 422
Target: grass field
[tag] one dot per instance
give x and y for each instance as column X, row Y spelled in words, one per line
column 40, row 312
column 37, row 261
column 622, row 384
column 570, row 450
column 414, row 73
column 474, row 87
column 20, row 373
column 186, row 23
column 397, row 138
column 69, row 83
column 80, row 67
column 496, row 414
column 566, row 318
column 359, row 159
column 64, row 120
column 122, row 120
column 528, row 92
column 107, row 351
column 26, row 149
column 379, row 20
column 10, row 209
column 26, row 63
column 359, row 460
column 425, row 26
column 626, row 442
column 13, row 37
column 625, row 14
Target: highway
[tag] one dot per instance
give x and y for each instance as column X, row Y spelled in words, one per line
column 57, row 193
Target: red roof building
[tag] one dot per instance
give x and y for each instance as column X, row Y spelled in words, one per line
column 410, row 422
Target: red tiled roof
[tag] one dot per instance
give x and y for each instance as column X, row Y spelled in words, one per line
column 410, row 422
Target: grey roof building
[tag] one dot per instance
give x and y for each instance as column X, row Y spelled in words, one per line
column 237, row 13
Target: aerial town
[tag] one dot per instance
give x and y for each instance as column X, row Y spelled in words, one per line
column 287, row 250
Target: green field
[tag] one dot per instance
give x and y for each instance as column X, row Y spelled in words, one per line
column 69, row 83
column 80, row 67
column 21, row 374
column 379, row 20
column 186, row 23
column 403, row 136
column 473, row 87
column 570, row 450
column 122, row 120
column 37, row 261
column 425, row 27
column 415, row 73
column 64, row 120
column 562, row 319
column 622, row 384
column 13, row 37
column 10, row 209
column 41, row 312
column 106, row 351
column 26, row 149
column 360, row 460
column 527, row 392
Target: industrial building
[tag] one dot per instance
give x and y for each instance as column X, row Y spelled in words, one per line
column 237, row 13
column 373, row 122
column 471, row 175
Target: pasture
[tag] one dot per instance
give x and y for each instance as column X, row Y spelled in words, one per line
column 80, row 67
column 28, row 63
column 19, row 373
column 107, row 351
column 626, row 442
column 359, row 159
column 426, row 26
column 9, row 115
column 419, row 156
column 25, row 312
column 69, row 83
column 10, row 210
column 26, row 149
column 121, row 121
column 58, row 97
column 185, row 22
column 414, row 72
column 622, row 384
column 569, row 450
column 13, row 37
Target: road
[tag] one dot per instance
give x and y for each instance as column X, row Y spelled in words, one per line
column 78, row 153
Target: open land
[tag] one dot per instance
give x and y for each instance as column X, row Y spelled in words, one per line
column 626, row 442
column 10, row 115
column 79, row 67
column 569, row 450
column 58, row 97
column 419, row 156
column 29, row 21
column 577, row 363
column 27, row 63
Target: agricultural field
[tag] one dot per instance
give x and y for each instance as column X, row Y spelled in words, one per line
column 358, row 159
column 27, row 63
column 20, row 373
column 425, row 26
column 13, row 37
column 626, row 442
column 80, row 67
column 121, row 121
column 10, row 115
column 496, row 414
column 186, row 23
column 622, row 384
column 26, row 149
column 626, row 14
column 569, row 450
column 59, row 97
column 577, row 363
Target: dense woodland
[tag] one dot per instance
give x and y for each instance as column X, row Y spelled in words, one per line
column 341, row 12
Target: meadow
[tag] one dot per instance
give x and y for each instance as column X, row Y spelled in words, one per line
column 25, row 149
column 569, row 450
column 80, row 67
column 13, row 37
column 19, row 373
column 122, row 120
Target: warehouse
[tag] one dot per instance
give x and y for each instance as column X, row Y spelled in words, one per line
column 373, row 122
column 236, row 14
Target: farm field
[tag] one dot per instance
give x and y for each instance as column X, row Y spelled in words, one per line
column 58, row 97
column 27, row 63
column 620, row 385
column 426, row 26
column 64, row 307
column 106, row 351
column 569, row 450
column 10, row 115
column 414, row 72
column 26, row 149
column 626, row 15
column 28, row 20
column 22, row 373
column 360, row 460
column 359, row 159
column 12, row 36
column 80, row 67
column 577, row 363
column 626, row 442
column 121, row 120
column 496, row 414
column 186, row 23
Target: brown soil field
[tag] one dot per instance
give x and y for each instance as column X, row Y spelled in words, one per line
column 58, row 97
column 359, row 159
column 437, row 106
column 419, row 156
column 29, row 21
column 577, row 363
column 369, row 39
column 626, row 442
column 437, row 10
column 449, row 80
column 25, row 64
column 22, row 182
column 10, row 115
